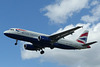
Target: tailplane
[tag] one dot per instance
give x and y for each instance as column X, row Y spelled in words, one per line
column 87, row 44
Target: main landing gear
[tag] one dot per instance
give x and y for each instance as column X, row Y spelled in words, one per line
column 42, row 52
column 16, row 42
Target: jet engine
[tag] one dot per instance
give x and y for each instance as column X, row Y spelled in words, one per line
column 44, row 39
column 30, row 47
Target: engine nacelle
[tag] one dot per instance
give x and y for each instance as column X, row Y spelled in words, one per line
column 44, row 39
column 29, row 47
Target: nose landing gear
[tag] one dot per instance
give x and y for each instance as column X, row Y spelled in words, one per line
column 16, row 42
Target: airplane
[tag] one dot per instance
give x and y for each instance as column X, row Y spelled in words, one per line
column 41, row 41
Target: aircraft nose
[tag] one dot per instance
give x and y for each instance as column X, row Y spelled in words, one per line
column 5, row 33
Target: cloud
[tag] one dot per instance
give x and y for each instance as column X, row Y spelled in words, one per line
column 60, row 11
column 74, row 58
column 95, row 17
column 95, row 2
column 28, row 54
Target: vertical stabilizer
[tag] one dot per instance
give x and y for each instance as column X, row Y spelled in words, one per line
column 83, row 37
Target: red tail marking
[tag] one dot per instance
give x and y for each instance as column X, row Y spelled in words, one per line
column 88, row 47
column 83, row 43
column 85, row 34
column 80, row 41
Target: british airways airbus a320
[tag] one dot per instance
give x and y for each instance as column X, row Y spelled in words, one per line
column 40, row 41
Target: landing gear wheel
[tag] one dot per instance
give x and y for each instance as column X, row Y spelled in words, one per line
column 15, row 43
column 51, row 47
column 42, row 52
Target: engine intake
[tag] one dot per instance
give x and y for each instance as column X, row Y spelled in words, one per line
column 44, row 39
column 29, row 47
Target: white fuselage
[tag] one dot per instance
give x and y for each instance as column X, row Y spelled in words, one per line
column 26, row 35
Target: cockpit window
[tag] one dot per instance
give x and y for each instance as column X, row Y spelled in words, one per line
column 12, row 29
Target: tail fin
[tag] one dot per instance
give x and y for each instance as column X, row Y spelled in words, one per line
column 83, row 37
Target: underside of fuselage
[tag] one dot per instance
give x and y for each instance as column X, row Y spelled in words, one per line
column 35, row 42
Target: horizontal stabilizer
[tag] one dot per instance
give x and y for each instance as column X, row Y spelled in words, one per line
column 87, row 44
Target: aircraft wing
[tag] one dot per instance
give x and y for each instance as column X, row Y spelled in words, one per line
column 60, row 35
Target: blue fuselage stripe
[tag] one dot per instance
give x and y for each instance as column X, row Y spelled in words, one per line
column 36, row 42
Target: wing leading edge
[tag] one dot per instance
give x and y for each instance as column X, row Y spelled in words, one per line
column 60, row 35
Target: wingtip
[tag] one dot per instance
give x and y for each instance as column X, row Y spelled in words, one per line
column 96, row 41
column 80, row 26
